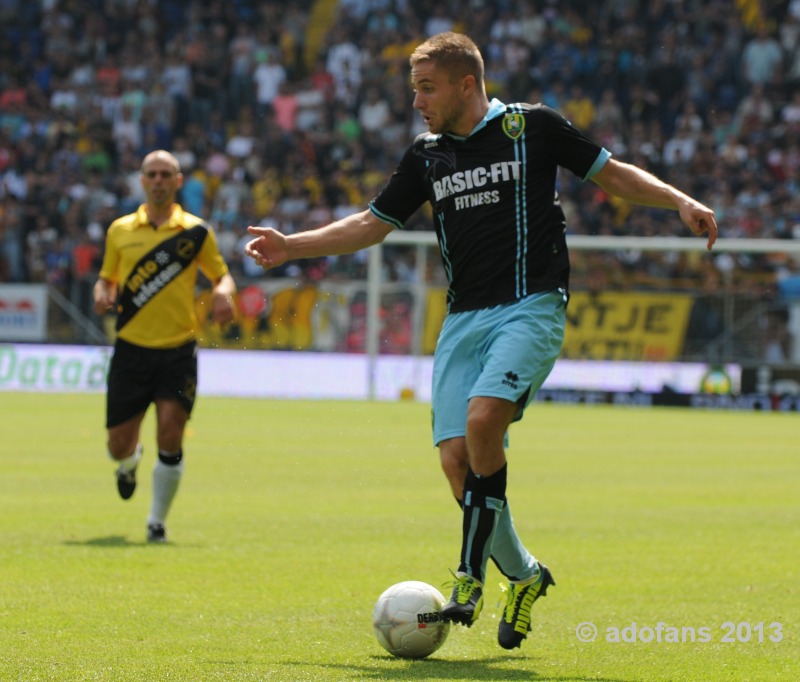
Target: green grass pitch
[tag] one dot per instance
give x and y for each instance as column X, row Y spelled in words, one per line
column 294, row 516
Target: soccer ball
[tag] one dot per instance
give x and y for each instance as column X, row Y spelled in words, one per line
column 407, row 619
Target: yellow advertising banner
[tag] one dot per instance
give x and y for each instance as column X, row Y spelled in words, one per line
column 626, row 326
column 606, row 326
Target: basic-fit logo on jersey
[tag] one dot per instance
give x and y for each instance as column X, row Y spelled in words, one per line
column 476, row 178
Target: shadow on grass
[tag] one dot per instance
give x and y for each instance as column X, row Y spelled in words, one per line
column 432, row 668
column 115, row 541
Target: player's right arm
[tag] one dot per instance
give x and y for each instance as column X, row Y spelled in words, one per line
column 105, row 295
column 271, row 248
column 105, row 289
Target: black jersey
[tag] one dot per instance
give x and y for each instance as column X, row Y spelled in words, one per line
column 497, row 215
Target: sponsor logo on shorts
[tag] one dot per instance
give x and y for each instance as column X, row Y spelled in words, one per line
column 511, row 379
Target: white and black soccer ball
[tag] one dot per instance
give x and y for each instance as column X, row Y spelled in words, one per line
column 407, row 619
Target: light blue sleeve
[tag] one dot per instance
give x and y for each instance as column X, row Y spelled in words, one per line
column 599, row 162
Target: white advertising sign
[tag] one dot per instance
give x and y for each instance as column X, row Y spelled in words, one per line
column 23, row 312
column 57, row 369
column 334, row 376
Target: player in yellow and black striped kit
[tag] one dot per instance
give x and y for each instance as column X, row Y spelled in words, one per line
column 148, row 277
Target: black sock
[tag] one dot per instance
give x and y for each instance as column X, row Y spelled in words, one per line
column 171, row 459
column 484, row 497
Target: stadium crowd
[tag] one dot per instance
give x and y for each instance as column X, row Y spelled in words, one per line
column 283, row 115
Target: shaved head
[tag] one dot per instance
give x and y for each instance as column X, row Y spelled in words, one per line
column 161, row 155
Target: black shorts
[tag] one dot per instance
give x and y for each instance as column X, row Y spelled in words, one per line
column 138, row 376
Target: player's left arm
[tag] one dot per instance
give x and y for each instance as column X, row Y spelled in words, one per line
column 636, row 185
column 223, row 308
column 223, row 286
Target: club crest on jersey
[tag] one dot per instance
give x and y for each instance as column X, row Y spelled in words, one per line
column 514, row 125
column 185, row 248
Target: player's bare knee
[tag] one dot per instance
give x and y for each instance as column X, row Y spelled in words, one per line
column 454, row 462
column 455, row 472
column 487, row 420
column 121, row 443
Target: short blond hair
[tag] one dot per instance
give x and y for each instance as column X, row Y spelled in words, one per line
column 455, row 52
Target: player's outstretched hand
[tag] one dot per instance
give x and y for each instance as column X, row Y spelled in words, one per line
column 268, row 249
column 700, row 220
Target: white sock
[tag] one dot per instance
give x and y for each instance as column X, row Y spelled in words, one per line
column 165, row 486
column 131, row 461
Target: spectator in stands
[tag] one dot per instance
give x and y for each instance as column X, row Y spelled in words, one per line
column 11, row 241
column 207, row 88
column 243, row 141
column 241, row 50
column 63, row 78
column 579, row 108
column 680, row 148
column 267, row 76
column 176, row 78
column 762, row 58
column 374, row 113
column 609, row 111
column 285, row 108
column 753, row 112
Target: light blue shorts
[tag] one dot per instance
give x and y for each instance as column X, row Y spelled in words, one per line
column 502, row 352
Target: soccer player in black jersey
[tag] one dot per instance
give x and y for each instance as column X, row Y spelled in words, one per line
column 489, row 171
